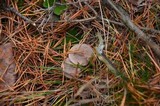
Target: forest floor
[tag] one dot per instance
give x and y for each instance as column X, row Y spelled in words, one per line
column 36, row 37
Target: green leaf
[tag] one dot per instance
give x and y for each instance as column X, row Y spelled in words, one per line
column 58, row 10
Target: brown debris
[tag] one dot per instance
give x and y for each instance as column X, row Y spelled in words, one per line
column 7, row 66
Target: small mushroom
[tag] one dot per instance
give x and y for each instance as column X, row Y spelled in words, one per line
column 69, row 70
column 80, row 54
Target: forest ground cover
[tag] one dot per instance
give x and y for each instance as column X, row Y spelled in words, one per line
column 41, row 32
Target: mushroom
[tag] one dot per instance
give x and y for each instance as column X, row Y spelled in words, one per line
column 80, row 54
column 69, row 70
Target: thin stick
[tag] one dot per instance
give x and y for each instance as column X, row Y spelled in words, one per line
column 142, row 28
column 127, row 21
column 103, row 58
column 20, row 15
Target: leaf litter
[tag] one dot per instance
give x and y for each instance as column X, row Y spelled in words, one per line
column 7, row 67
column 47, row 86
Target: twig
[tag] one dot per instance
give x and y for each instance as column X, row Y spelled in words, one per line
column 71, row 3
column 78, row 20
column 85, row 19
column 103, row 58
column 11, row 9
column 143, row 28
column 127, row 21
column 150, row 29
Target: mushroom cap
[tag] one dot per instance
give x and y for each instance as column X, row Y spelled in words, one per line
column 78, row 59
column 80, row 54
column 69, row 70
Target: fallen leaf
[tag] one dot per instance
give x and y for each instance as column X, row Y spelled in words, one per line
column 7, row 67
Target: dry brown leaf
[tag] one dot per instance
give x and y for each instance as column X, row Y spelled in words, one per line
column 7, row 67
column 80, row 54
column 69, row 70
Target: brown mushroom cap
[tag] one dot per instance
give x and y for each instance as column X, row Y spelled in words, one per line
column 69, row 70
column 80, row 54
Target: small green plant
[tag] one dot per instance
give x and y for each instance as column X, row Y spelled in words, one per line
column 58, row 9
column 73, row 35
